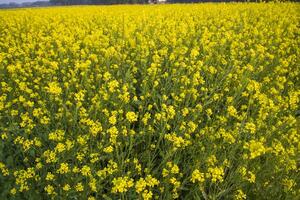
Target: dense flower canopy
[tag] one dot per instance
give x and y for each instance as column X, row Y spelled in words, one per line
column 150, row 102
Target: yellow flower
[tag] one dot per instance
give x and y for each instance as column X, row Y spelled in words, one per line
column 92, row 185
column 86, row 170
column 95, row 128
column 177, row 141
column 13, row 191
column 151, row 181
column 75, row 169
column 232, row 111
column 53, row 88
column 4, row 136
column 185, row 112
column 50, row 176
column 57, row 135
column 197, row 176
column 175, row 169
column 165, row 172
column 175, row 182
column 4, row 169
column 79, row 187
column 108, row 149
column 122, row 184
column 288, row 184
column 64, row 168
column 66, row 187
column 216, row 174
column 256, row 148
column 147, row 195
column 50, row 189
column 240, row 195
column 112, row 85
column 250, row 127
column 60, row 147
column 112, row 120
column 140, row 185
column 251, row 177
column 131, row 117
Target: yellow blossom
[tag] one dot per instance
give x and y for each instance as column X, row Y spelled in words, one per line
column 122, row 184
column 64, row 168
column 66, row 187
column 54, row 88
column 131, row 116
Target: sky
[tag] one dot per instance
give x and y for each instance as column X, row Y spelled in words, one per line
column 18, row 1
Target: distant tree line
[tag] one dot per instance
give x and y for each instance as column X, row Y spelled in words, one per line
column 78, row 2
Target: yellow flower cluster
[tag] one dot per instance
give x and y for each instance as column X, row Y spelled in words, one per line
column 177, row 141
column 216, row 174
column 256, row 148
column 122, row 184
column 197, row 176
column 197, row 101
column 142, row 184
column 131, row 117
column 53, row 88
column 3, row 169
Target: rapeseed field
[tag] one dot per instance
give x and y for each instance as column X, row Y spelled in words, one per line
column 150, row 102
